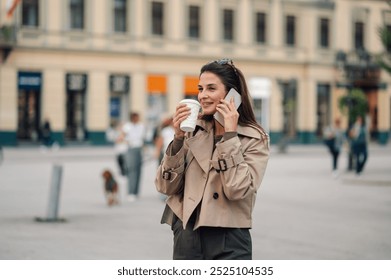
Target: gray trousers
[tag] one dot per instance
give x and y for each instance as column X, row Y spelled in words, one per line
column 134, row 164
column 210, row 243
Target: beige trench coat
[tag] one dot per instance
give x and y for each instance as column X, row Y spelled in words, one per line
column 227, row 197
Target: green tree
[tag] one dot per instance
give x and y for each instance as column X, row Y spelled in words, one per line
column 353, row 105
column 384, row 59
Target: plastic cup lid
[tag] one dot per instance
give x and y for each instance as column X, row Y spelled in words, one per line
column 190, row 101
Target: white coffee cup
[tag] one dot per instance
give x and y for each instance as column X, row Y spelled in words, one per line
column 188, row 125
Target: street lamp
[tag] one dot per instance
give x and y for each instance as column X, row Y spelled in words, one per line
column 340, row 59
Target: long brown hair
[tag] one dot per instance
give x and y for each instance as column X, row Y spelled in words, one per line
column 232, row 77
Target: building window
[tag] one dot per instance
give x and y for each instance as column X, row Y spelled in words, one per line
column 290, row 30
column 29, row 105
column 119, row 89
column 77, row 14
column 76, row 106
column 120, row 16
column 30, row 13
column 388, row 46
column 324, row 39
column 157, row 18
column 228, row 25
column 194, row 22
column 260, row 28
column 359, row 35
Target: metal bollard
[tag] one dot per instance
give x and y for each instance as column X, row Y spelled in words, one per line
column 54, row 196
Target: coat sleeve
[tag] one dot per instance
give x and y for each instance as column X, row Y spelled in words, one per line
column 244, row 178
column 170, row 173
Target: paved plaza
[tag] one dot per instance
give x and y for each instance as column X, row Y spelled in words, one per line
column 302, row 211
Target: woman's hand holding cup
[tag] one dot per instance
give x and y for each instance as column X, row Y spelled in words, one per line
column 181, row 113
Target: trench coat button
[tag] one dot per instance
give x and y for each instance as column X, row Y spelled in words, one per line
column 215, row 195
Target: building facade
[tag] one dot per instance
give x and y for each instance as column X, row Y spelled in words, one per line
column 85, row 64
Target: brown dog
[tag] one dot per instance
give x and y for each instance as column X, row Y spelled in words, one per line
column 111, row 188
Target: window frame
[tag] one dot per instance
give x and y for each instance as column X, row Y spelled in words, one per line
column 257, row 32
column 290, row 30
column 73, row 25
column 388, row 46
column 194, row 24
column 156, row 28
column 324, row 35
column 323, row 97
column 25, row 4
column 228, row 24
column 116, row 17
column 358, row 37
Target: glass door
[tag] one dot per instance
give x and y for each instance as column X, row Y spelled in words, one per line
column 323, row 109
column 28, row 115
column 289, row 104
column 75, row 128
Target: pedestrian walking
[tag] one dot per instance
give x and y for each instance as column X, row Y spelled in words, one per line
column 46, row 137
column 334, row 138
column 46, row 134
column 134, row 131
column 211, row 175
column 360, row 138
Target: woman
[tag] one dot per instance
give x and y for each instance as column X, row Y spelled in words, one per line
column 211, row 175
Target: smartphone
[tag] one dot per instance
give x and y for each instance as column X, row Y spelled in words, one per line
column 237, row 100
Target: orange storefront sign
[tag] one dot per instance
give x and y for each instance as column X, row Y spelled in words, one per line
column 157, row 84
column 191, row 85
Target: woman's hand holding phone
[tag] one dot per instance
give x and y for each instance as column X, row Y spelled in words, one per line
column 230, row 114
column 227, row 114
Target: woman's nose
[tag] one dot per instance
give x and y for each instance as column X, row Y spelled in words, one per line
column 202, row 94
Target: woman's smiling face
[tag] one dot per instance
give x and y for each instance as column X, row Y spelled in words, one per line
column 210, row 91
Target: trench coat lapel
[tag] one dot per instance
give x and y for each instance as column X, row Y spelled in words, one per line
column 201, row 146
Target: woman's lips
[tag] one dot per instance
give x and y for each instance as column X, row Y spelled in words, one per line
column 207, row 104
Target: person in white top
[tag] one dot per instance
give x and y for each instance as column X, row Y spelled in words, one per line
column 115, row 135
column 134, row 134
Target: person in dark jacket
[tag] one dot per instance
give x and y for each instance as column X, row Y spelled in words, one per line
column 359, row 136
